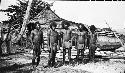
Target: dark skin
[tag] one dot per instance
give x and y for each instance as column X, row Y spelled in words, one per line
column 6, row 40
column 37, row 42
column 1, row 40
column 66, row 34
column 66, row 38
column 0, row 45
column 81, row 40
column 93, row 40
column 52, row 45
column 54, row 36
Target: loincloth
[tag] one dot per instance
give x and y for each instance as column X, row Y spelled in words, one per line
column 80, row 46
column 53, row 46
column 67, row 44
column 93, row 47
column 36, row 49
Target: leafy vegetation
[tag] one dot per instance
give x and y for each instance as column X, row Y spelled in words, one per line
column 17, row 12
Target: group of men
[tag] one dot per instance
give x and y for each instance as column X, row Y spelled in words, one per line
column 64, row 38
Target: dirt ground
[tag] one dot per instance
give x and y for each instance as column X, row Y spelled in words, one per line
column 21, row 63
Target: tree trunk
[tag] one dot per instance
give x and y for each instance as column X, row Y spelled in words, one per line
column 26, row 19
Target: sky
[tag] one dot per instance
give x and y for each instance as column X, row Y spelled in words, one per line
column 87, row 12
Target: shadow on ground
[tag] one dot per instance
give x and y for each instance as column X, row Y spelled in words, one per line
column 15, row 68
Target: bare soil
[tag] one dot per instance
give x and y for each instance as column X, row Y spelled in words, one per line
column 109, row 62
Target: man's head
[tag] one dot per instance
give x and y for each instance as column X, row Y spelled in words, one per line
column 65, row 24
column 92, row 28
column 53, row 25
column 31, row 26
column 37, row 25
column 82, row 27
column 4, row 30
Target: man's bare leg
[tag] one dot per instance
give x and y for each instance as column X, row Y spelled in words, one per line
column 82, row 54
column 64, row 53
column 69, row 55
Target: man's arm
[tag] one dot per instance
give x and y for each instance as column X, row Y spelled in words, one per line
column 61, row 36
column 48, row 39
column 42, row 39
column 31, row 38
column 96, row 39
column 76, row 39
column 71, row 37
column 57, row 38
column 71, row 34
column 58, row 42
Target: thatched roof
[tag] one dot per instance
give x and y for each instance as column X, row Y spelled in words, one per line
column 47, row 15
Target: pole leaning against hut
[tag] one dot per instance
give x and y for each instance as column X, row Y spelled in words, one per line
column 115, row 35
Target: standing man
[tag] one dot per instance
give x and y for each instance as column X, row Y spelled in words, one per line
column 52, row 43
column 37, row 40
column 6, row 39
column 67, row 41
column 1, row 40
column 81, row 41
column 93, row 41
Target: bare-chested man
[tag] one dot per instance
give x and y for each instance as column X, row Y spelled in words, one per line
column 6, row 39
column 93, row 41
column 1, row 41
column 81, row 40
column 37, row 40
column 52, row 43
column 67, row 41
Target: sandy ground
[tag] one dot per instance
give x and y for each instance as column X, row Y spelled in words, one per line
column 21, row 63
column 111, row 66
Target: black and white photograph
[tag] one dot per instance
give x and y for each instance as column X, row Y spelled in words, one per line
column 56, row 36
